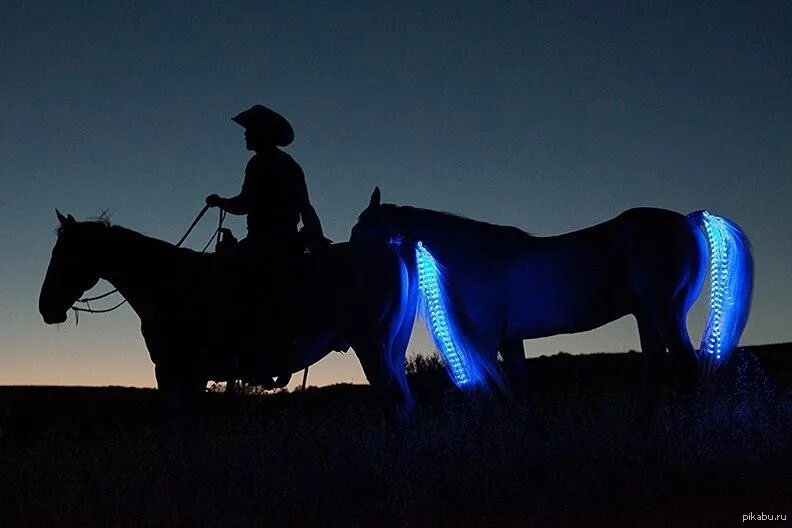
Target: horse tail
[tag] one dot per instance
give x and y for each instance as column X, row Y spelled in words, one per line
column 731, row 284
column 448, row 324
column 400, row 337
column 410, row 301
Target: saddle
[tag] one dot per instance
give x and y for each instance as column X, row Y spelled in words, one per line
column 266, row 293
column 255, row 260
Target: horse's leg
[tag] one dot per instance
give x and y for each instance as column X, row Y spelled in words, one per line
column 653, row 352
column 170, row 377
column 513, row 355
column 180, row 389
column 652, row 346
column 677, row 280
column 171, row 414
column 386, row 374
column 516, row 368
column 677, row 339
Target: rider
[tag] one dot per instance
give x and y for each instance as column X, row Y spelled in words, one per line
column 274, row 197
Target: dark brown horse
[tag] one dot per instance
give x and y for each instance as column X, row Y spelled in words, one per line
column 175, row 293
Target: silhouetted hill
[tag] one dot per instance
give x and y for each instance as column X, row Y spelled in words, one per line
column 578, row 451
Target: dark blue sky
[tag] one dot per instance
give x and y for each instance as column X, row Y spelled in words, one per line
column 550, row 116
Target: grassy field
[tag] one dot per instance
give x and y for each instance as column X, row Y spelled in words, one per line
column 578, row 451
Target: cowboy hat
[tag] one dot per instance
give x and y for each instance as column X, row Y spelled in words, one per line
column 260, row 117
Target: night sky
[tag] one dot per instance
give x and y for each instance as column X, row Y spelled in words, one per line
column 549, row 116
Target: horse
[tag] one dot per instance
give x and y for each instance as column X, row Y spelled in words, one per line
column 175, row 293
column 484, row 288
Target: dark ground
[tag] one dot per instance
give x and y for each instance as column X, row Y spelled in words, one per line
column 579, row 454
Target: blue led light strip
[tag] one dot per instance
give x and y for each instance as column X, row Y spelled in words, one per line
column 731, row 283
column 719, row 272
column 440, row 324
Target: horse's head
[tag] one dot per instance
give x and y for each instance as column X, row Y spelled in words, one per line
column 72, row 268
column 376, row 223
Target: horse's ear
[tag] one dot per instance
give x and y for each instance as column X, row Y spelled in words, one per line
column 375, row 198
column 64, row 220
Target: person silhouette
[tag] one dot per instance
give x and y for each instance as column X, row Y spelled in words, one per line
column 274, row 197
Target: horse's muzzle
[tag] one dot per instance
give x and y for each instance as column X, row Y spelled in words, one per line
column 54, row 318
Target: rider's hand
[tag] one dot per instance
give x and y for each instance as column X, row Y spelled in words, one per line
column 213, row 200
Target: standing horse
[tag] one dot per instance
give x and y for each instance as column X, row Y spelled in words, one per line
column 175, row 291
column 484, row 288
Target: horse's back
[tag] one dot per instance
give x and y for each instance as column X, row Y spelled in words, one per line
column 655, row 221
column 633, row 228
column 358, row 280
column 585, row 278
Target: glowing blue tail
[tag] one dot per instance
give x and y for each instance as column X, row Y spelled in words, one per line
column 464, row 364
column 731, row 285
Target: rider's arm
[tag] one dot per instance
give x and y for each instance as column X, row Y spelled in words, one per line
column 240, row 204
column 237, row 205
column 311, row 223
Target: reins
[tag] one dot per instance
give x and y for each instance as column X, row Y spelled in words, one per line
column 87, row 300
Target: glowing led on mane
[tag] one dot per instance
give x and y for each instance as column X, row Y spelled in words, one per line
column 729, row 299
column 440, row 323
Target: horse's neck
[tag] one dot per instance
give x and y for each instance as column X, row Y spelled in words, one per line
column 138, row 266
column 455, row 242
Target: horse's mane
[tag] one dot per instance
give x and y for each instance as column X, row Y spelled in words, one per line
column 131, row 237
column 155, row 243
column 102, row 220
column 475, row 231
